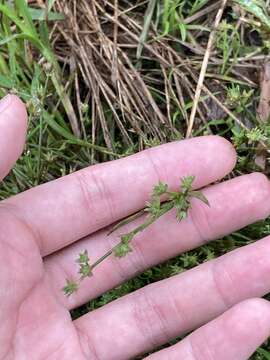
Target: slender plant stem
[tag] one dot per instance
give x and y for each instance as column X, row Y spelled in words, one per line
column 102, row 258
column 138, row 229
column 154, row 209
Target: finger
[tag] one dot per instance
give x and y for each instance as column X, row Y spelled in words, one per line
column 233, row 204
column 170, row 308
column 235, row 335
column 13, row 124
column 70, row 208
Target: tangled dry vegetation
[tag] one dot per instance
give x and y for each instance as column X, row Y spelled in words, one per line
column 139, row 81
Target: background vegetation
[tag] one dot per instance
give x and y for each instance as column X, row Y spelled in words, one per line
column 105, row 79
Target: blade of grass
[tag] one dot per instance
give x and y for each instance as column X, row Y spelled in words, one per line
column 146, row 26
column 265, row 353
column 30, row 33
column 73, row 139
column 256, row 8
column 41, row 14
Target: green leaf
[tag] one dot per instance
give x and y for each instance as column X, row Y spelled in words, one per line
column 70, row 288
column 265, row 353
column 83, row 257
column 256, row 8
column 181, row 215
column 85, row 271
column 28, row 31
column 50, row 4
column 197, row 5
column 42, row 14
column 7, row 39
column 126, row 238
column 181, row 204
column 44, row 33
column 183, row 31
column 153, row 206
column 23, row 11
column 182, row 211
column 122, row 250
column 147, row 22
column 6, row 82
column 186, row 183
column 160, row 189
column 199, row 195
column 73, row 139
column 85, row 268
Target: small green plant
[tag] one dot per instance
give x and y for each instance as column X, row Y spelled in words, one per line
column 228, row 42
column 238, row 98
column 257, row 8
column 162, row 200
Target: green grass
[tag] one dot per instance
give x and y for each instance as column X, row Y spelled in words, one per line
column 31, row 67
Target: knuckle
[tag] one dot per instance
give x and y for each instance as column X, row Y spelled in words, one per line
column 201, row 222
column 87, row 345
column 149, row 319
column 199, row 351
column 96, row 197
column 153, row 165
column 222, row 280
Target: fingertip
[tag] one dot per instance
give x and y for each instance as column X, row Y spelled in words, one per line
column 262, row 181
column 258, row 194
column 254, row 307
column 226, row 151
column 17, row 109
column 238, row 332
column 13, row 109
column 13, row 128
column 217, row 153
column 258, row 307
column 250, row 314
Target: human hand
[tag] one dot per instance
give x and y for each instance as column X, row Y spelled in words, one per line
column 40, row 238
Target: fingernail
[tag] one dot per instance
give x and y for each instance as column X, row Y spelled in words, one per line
column 5, row 102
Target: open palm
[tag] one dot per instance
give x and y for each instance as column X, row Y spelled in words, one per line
column 43, row 230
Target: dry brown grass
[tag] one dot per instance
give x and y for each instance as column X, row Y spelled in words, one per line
column 144, row 98
column 98, row 42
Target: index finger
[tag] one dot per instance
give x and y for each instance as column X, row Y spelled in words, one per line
column 67, row 209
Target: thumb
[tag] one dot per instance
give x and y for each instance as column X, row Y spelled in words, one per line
column 13, row 126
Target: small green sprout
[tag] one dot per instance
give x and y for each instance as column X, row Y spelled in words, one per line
column 257, row 8
column 186, row 183
column 70, row 288
column 161, row 201
column 83, row 257
column 256, row 134
column 121, row 250
column 160, row 189
column 85, row 268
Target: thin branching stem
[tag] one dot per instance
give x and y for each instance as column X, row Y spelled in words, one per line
column 154, row 209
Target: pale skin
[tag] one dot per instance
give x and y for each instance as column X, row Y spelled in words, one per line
column 40, row 238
